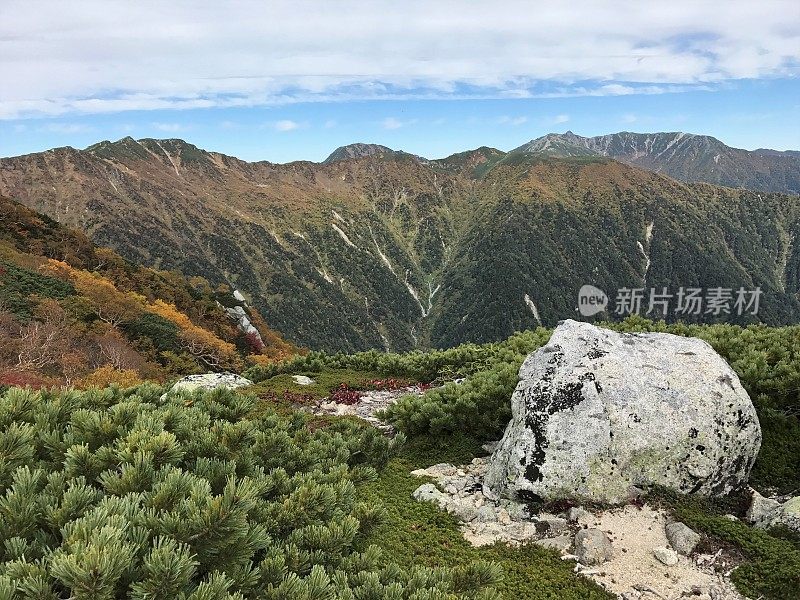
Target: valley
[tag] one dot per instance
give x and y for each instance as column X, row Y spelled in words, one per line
column 381, row 249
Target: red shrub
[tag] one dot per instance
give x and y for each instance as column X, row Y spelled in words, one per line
column 344, row 395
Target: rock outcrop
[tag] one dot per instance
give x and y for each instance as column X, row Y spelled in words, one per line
column 208, row 381
column 599, row 414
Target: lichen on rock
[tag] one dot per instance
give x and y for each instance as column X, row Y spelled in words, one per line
column 598, row 414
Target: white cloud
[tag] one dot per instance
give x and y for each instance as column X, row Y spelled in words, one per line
column 558, row 119
column 286, row 125
column 170, row 127
column 515, row 121
column 394, row 123
column 182, row 54
column 629, row 118
column 64, row 128
column 330, row 124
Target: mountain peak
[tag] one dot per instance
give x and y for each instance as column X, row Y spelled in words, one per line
column 357, row 150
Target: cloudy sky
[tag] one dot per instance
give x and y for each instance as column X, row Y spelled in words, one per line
column 288, row 80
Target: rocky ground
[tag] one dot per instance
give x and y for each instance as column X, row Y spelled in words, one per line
column 368, row 405
column 634, row 552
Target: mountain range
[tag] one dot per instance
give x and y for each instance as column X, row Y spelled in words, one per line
column 381, row 248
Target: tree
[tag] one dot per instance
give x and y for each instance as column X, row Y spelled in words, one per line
column 200, row 343
column 45, row 340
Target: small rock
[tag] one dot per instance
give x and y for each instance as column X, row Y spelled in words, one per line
column 682, row 538
column 593, row 547
column 207, row 381
column 463, row 510
column 302, row 380
column 442, row 470
column 550, row 525
column 503, row 517
column 730, row 517
column 763, row 512
column 517, row 510
column 428, row 492
column 580, row 516
column 486, row 514
column 668, row 556
column 561, row 543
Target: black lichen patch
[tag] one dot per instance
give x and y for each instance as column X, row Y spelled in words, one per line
column 566, row 397
column 693, row 433
column 596, row 353
column 530, row 498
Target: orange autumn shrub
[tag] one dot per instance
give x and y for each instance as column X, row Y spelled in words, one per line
column 108, row 375
column 200, row 343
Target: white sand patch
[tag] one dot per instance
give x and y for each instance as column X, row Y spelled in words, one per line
column 431, row 293
column 384, row 258
column 635, row 533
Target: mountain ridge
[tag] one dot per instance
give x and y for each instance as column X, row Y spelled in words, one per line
column 393, row 252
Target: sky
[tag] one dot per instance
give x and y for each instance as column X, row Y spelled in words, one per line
column 281, row 81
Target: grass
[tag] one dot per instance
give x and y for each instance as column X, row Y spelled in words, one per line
column 282, row 393
column 418, row 533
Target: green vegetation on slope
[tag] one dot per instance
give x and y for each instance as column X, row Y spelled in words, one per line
column 109, row 494
column 77, row 314
column 388, row 251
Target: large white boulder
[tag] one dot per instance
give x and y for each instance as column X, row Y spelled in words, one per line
column 597, row 414
column 208, row 381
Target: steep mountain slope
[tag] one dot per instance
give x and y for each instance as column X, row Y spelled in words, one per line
column 344, row 255
column 68, row 307
column 393, row 251
column 683, row 156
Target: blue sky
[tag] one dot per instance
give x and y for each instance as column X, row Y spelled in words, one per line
column 284, row 81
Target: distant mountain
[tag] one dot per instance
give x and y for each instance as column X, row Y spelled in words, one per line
column 357, row 151
column 683, row 156
column 392, row 251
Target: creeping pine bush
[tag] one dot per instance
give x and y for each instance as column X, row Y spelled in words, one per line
column 118, row 494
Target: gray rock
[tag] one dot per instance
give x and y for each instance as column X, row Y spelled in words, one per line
column 516, row 510
column 302, row 380
column 766, row 512
column 208, row 381
column 580, row 516
column 428, row 492
column 550, row 525
column 592, row 547
column 596, row 412
column 562, row 543
column 464, row 509
column 682, row 538
column 763, row 512
column 486, row 514
column 668, row 556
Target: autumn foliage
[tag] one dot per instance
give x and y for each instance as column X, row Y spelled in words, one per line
column 74, row 314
